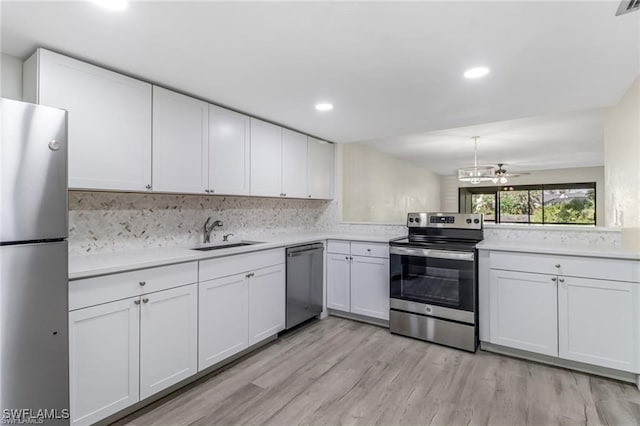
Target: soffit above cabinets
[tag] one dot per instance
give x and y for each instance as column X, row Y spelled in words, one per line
column 389, row 68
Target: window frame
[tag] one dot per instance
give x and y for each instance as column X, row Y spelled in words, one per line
column 465, row 199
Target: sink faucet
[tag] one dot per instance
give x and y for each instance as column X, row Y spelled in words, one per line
column 208, row 229
column 226, row 237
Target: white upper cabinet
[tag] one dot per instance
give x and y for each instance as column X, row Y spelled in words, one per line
column 294, row 164
column 266, row 159
column 320, row 169
column 229, row 157
column 180, row 142
column 109, row 120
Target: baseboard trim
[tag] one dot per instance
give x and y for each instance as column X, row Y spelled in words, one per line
column 357, row 317
column 558, row 362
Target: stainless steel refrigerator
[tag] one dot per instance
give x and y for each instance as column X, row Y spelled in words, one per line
column 34, row 348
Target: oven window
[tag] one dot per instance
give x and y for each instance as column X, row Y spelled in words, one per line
column 436, row 284
column 442, row 282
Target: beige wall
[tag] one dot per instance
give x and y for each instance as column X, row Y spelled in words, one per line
column 10, row 77
column 378, row 188
column 450, row 184
column 622, row 165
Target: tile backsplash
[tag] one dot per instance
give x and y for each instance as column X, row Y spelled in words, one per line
column 101, row 222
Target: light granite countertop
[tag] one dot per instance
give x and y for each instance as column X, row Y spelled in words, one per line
column 585, row 250
column 109, row 263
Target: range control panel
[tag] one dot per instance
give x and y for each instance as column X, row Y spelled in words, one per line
column 444, row 220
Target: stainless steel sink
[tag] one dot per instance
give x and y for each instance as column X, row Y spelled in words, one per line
column 226, row 245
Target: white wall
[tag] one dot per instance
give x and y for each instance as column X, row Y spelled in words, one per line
column 10, row 77
column 622, row 165
column 378, row 188
column 450, row 185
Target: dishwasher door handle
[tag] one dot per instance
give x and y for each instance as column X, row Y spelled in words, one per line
column 302, row 252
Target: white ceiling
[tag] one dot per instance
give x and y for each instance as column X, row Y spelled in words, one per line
column 546, row 142
column 390, row 68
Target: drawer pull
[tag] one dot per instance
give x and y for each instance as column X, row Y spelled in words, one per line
column 137, row 302
column 554, row 279
column 145, row 300
column 142, row 283
column 561, row 280
column 557, row 265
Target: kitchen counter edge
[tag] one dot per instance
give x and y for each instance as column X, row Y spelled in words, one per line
column 92, row 265
column 586, row 250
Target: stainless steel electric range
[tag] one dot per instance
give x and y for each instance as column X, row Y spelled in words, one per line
column 434, row 279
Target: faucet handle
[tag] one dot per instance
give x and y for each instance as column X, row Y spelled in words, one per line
column 226, row 237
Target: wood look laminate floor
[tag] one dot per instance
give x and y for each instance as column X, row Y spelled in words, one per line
column 337, row 371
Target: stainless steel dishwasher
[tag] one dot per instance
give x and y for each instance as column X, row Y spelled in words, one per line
column 305, row 272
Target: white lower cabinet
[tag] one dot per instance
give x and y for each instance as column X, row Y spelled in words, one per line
column 123, row 351
column 598, row 322
column 370, row 286
column 524, row 311
column 338, row 282
column 168, row 338
column 223, row 318
column 104, row 359
column 358, row 278
column 241, row 302
column 267, row 300
column 589, row 319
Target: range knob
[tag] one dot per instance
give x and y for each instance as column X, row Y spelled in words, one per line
column 476, row 220
column 417, row 220
column 411, row 219
column 468, row 220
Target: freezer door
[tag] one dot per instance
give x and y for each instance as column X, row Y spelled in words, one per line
column 33, row 167
column 34, row 343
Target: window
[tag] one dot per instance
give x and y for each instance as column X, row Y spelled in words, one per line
column 561, row 204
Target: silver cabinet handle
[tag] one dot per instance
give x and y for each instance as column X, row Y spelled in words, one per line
column 142, row 283
column 145, row 300
column 250, row 274
column 554, row 279
column 557, row 265
column 346, row 258
column 561, row 280
column 137, row 302
column 148, row 186
column 309, row 195
column 211, row 191
column 206, row 190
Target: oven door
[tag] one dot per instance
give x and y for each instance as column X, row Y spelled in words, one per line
column 434, row 282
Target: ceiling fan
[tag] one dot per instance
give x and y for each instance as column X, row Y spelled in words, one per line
column 501, row 174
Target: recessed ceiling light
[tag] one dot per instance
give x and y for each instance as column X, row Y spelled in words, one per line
column 116, row 5
column 476, row 72
column 324, row 106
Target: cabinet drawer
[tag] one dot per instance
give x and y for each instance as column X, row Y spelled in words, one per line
column 370, row 249
column 235, row 264
column 338, row 246
column 94, row 291
column 572, row 266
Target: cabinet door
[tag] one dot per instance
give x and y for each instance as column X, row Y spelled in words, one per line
column 168, row 338
column 598, row 322
column 294, row 164
column 320, row 169
column 180, row 142
column 524, row 312
column 103, row 359
column 109, row 122
column 266, row 303
column 228, row 152
column 338, row 287
column 370, row 287
column 266, row 159
column 223, row 325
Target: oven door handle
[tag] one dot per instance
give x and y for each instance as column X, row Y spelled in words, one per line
column 439, row 254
